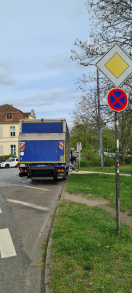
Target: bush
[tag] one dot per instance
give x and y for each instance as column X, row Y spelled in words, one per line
column 83, row 163
column 8, row 156
column 128, row 160
column 109, row 161
column 86, row 163
column 91, row 157
column 129, row 153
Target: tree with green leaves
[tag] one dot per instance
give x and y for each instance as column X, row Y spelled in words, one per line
column 111, row 22
column 85, row 133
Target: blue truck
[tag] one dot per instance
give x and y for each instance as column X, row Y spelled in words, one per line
column 44, row 149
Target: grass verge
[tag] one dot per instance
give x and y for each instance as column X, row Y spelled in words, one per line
column 87, row 255
column 123, row 169
column 102, row 186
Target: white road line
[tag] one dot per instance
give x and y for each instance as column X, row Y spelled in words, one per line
column 0, row 211
column 36, row 188
column 6, row 245
column 27, row 204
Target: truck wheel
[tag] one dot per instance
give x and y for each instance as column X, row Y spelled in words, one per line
column 68, row 171
column 64, row 177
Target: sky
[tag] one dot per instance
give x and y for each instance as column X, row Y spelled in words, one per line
column 36, row 71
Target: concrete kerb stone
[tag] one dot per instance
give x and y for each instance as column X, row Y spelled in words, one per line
column 48, row 265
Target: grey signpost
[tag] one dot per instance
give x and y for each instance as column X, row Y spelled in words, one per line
column 116, row 65
column 79, row 148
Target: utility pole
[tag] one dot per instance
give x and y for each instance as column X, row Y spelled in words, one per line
column 99, row 123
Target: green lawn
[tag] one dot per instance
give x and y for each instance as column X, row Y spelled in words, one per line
column 123, row 169
column 102, row 186
column 87, row 254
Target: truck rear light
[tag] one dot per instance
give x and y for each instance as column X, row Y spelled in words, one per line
column 60, row 170
column 24, row 171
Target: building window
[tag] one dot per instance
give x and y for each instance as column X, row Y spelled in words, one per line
column 13, row 149
column 12, row 130
column 9, row 116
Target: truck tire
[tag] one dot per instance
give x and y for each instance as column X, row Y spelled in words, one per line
column 64, row 177
column 68, row 171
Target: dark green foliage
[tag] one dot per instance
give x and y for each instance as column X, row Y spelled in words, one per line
column 128, row 160
column 93, row 161
column 109, row 161
column 8, row 156
column 90, row 157
column 86, row 163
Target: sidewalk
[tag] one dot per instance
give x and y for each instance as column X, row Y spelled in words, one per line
column 98, row 202
column 92, row 172
column 101, row 203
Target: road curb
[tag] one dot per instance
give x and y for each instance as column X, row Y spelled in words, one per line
column 48, row 265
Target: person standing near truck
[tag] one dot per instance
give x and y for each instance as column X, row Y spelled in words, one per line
column 73, row 160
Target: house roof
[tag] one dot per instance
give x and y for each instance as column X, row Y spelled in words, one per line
column 9, row 109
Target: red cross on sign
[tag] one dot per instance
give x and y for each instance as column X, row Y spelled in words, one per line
column 117, row 100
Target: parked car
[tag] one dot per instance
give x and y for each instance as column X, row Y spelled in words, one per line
column 106, row 154
column 10, row 162
column 111, row 154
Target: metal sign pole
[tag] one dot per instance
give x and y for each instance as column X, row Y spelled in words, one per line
column 79, row 159
column 99, row 123
column 117, row 99
column 117, row 174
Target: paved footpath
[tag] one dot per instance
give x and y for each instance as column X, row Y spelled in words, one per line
column 101, row 203
column 92, row 172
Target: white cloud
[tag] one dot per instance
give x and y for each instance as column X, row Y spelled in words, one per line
column 53, row 104
column 37, row 38
column 45, row 98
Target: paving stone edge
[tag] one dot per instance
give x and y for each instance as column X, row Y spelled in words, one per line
column 48, row 265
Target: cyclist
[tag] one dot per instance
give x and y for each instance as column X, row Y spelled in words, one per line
column 73, row 160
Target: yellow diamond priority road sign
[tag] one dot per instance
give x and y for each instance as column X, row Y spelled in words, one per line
column 116, row 65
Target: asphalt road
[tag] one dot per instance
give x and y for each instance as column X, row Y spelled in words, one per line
column 25, row 216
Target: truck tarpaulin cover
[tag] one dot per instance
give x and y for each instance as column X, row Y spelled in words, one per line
column 48, row 127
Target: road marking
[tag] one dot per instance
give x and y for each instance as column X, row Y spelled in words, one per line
column 37, row 188
column 0, row 211
column 6, row 245
column 28, row 204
